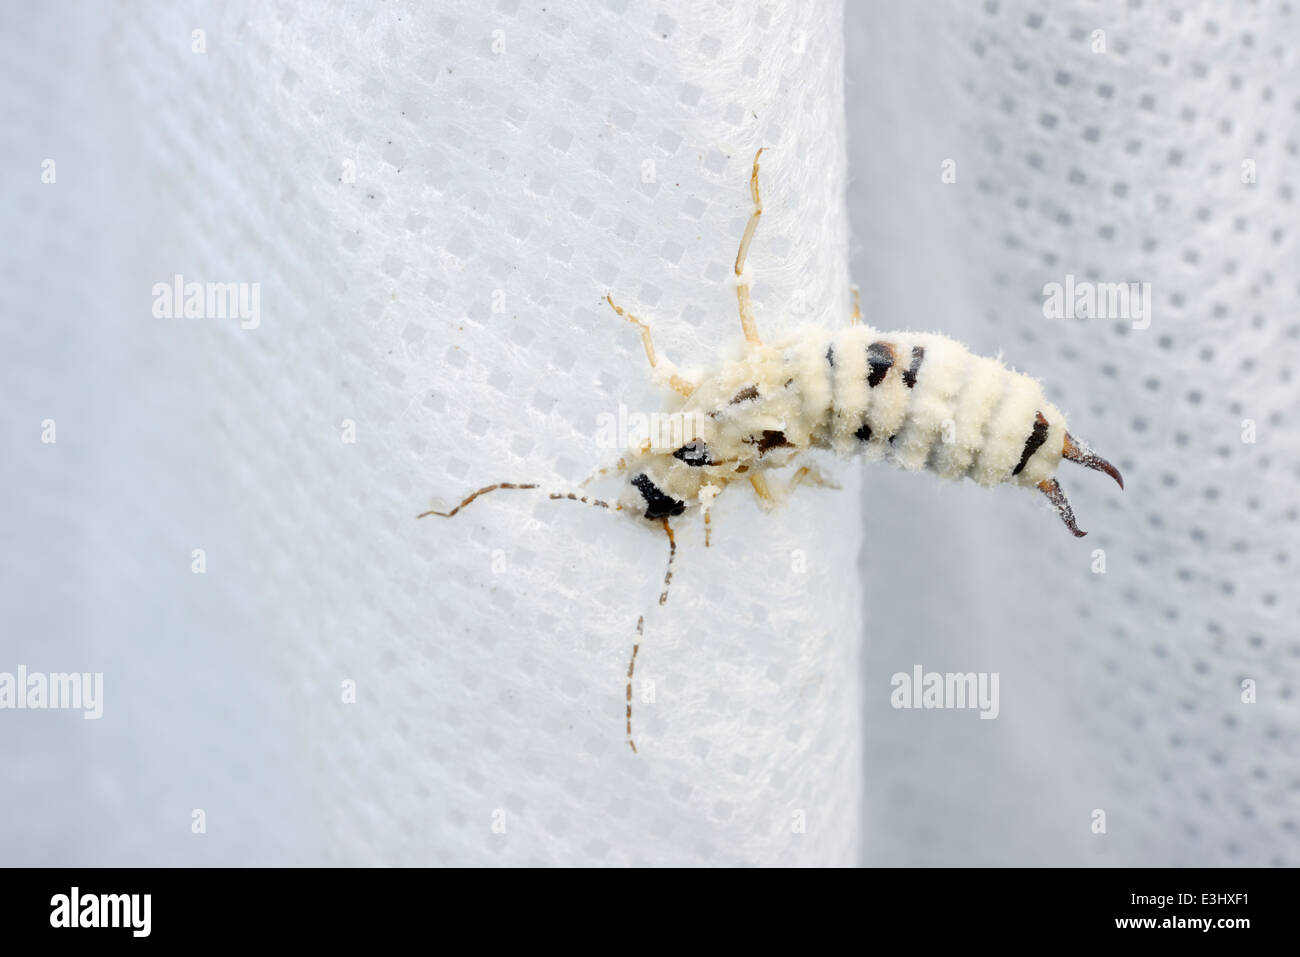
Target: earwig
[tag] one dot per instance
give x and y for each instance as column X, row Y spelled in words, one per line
column 917, row 400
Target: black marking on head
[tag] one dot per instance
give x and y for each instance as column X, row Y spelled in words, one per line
column 830, row 355
column 880, row 357
column 694, row 453
column 658, row 504
column 864, row 433
column 1032, row 444
column 770, row 439
column 909, row 377
column 744, row 395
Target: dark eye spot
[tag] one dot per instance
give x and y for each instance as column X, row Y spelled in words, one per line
column 744, row 395
column 770, row 439
column 694, row 453
column 658, row 505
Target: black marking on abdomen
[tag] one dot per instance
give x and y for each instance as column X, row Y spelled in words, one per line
column 863, row 434
column 880, row 357
column 658, row 503
column 771, row 439
column 909, row 377
column 1032, row 444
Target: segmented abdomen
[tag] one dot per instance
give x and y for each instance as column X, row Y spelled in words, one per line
column 924, row 401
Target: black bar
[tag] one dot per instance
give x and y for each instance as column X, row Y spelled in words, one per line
column 927, row 907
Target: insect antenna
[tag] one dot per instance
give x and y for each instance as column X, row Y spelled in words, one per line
column 640, row 627
column 586, row 500
column 1089, row 459
column 631, row 666
column 672, row 557
column 569, row 496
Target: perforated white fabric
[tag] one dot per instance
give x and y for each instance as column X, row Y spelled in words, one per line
column 434, row 201
column 1120, row 691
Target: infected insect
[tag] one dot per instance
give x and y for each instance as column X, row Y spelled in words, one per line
column 917, row 400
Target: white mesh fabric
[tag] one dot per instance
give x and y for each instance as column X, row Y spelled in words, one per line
column 434, row 210
column 392, row 176
column 1119, row 691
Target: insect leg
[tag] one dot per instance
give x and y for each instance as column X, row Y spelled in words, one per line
column 807, row 475
column 742, row 286
column 677, row 382
column 770, row 498
column 857, row 306
column 762, row 492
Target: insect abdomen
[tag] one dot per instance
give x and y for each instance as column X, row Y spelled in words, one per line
column 922, row 400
